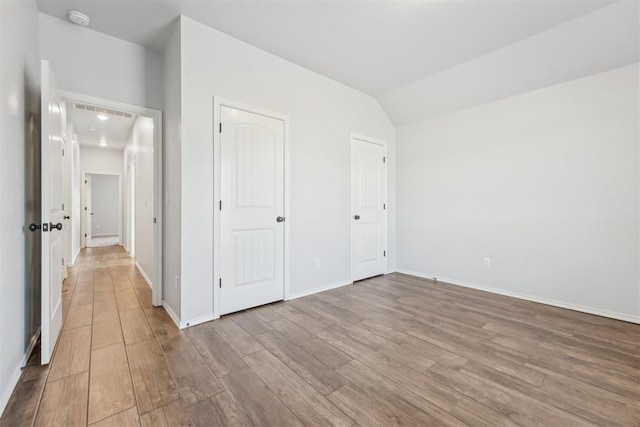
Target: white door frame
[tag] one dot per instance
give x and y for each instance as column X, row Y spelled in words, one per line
column 385, row 227
column 83, row 223
column 219, row 102
column 156, row 115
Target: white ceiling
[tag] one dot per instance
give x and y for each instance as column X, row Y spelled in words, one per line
column 373, row 46
column 91, row 130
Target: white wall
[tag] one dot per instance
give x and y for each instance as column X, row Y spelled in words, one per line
column 323, row 113
column 19, row 187
column 101, row 160
column 171, row 170
column 545, row 183
column 76, row 198
column 139, row 153
column 105, row 205
column 92, row 63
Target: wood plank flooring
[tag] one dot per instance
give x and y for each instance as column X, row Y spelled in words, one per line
column 392, row 350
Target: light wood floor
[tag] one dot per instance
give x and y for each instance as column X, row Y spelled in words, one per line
column 393, row 350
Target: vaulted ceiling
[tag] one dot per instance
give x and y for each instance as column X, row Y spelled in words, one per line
column 389, row 49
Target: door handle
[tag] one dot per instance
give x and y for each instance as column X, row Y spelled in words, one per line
column 34, row 227
column 57, row 226
column 356, row 217
column 66, row 217
column 280, row 219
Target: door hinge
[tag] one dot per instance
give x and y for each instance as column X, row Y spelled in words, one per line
column 63, row 206
column 220, row 127
column 155, row 220
column 62, row 261
column 384, row 253
column 85, row 208
column 384, row 159
column 85, row 181
column 220, row 283
column 220, row 205
column 85, row 235
column 384, row 206
column 63, row 152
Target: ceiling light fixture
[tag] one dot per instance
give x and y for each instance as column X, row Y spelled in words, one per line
column 103, row 144
column 78, row 18
column 102, row 117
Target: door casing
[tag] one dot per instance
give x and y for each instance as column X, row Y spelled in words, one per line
column 385, row 226
column 219, row 102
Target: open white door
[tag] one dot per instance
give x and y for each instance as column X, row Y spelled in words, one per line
column 51, row 202
column 368, row 209
column 88, row 207
column 252, row 205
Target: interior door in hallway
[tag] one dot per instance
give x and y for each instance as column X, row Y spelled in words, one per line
column 368, row 209
column 51, row 203
column 252, row 210
column 88, row 207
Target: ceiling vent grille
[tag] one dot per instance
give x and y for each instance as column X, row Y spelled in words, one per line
column 109, row 111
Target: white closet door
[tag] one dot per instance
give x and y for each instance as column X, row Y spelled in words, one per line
column 368, row 205
column 252, row 210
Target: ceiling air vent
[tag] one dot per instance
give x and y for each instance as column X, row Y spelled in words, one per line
column 109, row 111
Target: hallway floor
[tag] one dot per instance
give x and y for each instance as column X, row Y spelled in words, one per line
column 392, row 350
column 101, row 241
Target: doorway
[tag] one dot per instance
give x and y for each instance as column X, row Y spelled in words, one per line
column 102, row 210
column 121, row 143
column 251, row 229
column 368, row 207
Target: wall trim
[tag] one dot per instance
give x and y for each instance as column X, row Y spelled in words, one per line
column 75, row 257
column 17, row 372
column 560, row 304
column 171, row 313
column 197, row 321
column 144, row 275
column 295, row 295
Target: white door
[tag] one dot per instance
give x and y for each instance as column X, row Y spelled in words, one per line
column 52, row 222
column 252, row 205
column 368, row 209
column 88, row 210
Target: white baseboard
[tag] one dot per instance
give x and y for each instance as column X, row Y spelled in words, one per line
column 172, row 314
column 144, row 275
column 197, row 321
column 554, row 303
column 296, row 295
column 5, row 394
column 75, row 257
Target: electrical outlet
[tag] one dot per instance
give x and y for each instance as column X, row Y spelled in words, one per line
column 316, row 262
column 176, row 283
column 486, row 262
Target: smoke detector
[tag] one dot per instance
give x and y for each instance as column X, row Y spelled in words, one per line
column 79, row 18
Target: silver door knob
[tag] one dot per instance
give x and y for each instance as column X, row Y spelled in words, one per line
column 356, row 217
column 280, row 219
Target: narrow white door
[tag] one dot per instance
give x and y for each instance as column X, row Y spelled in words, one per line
column 368, row 209
column 88, row 210
column 52, row 222
column 252, row 205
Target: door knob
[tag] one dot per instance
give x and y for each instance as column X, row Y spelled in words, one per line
column 280, row 219
column 356, row 217
column 34, row 227
column 66, row 217
column 57, row 226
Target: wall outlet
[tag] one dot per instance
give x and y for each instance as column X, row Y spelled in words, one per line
column 316, row 263
column 486, row 262
column 176, row 282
